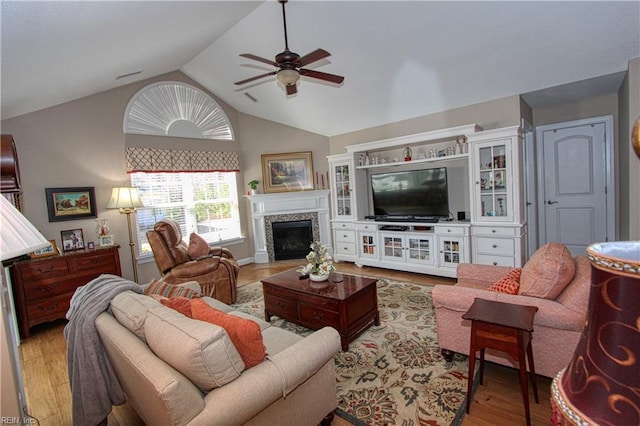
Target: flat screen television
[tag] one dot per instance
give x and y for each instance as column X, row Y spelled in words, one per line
column 416, row 193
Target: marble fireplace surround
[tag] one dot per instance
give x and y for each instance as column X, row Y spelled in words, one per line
column 288, row 207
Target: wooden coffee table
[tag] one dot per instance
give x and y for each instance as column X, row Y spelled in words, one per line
column 350, row 306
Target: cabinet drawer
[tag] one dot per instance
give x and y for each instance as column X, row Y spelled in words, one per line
column 494, row 231
column 345, row 236
column 44, row 289
column 487, row 259
column 44, row 269
column 343, row 225
column 450, row 230
column 345, row 248
column 97, row 261
column 50, row 308
column 495, row 246
column 366, row 227
column 320, row 317
column 280, row 307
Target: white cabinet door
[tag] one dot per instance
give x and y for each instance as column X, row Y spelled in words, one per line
column 452, row 251
column 392, row 247
column 368, row 245
column 342, row 198
column 420, row 249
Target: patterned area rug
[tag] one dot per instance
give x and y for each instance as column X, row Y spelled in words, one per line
column 393, row 373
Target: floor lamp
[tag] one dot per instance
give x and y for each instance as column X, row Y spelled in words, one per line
column 127, row 200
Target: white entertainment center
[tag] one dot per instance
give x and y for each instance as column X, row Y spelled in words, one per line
column 483, row 175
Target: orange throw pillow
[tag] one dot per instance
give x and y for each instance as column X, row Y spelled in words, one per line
column 198, row 247
column 180, row 304
column 509, row 284
column 244, row 333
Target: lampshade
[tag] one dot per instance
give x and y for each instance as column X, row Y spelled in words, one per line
column 288, row 77
column 19, row 236
column 124, row 198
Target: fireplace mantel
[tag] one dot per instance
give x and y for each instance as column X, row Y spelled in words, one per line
column 288, row 203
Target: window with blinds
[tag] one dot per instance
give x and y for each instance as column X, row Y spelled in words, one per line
column 205, row 203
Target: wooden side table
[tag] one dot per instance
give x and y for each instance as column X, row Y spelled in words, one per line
column 504, row 327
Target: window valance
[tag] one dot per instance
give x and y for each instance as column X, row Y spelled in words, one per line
column 173, row 161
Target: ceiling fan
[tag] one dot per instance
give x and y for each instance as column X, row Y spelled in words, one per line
column 290, row 64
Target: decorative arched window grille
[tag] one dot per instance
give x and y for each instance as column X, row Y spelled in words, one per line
column 173, row 108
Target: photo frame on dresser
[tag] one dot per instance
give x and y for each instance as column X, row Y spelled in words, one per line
column 50, row 250
column 72, row 239
column 287, row 172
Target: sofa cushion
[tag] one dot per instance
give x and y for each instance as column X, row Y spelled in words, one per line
column 245, row 334
column 509, row 284
column 197, row 246
column 170, row 290
column 180, row 304
column 201, row 351
column 130, row 309
column 547, row 272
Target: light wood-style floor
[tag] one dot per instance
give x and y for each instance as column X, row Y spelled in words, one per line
column 43, row 356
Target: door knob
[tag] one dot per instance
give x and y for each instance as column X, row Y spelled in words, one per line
column 552, row 202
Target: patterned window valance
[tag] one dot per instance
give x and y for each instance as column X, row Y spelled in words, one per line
column 173, row 161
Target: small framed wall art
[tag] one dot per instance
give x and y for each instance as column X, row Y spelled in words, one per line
column 72, row 239
column 71, row 203
column 287, row 172
column 50, row 250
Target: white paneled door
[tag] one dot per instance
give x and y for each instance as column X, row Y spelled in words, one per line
column 575, row 183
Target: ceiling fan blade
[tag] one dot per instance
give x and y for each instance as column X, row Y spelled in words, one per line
column 322, row 76
column 255, row 78
column 292, row 89
column 259, row 59
column 316, row 55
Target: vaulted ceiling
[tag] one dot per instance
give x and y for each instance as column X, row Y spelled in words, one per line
column 400, row 59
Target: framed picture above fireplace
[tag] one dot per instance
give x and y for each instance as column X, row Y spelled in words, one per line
column 287, row 172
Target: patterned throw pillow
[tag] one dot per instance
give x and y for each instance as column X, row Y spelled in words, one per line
column 244, row 333
column 198, row 247
column 509, row 284
column 170, row 290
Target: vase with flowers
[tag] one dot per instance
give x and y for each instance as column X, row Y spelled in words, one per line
column 319, row 263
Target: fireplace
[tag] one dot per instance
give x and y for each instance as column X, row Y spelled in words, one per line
column 267, row 209
column 291, row 240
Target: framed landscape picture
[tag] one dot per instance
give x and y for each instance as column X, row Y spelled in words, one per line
column 287, row 172
column 71, row 203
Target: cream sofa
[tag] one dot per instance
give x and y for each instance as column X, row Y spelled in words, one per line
column 294, row 385
column 557, row 325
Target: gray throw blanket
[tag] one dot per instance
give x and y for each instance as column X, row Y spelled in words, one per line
column 94, row 385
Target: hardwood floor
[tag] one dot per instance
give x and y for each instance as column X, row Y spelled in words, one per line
column 43, row 356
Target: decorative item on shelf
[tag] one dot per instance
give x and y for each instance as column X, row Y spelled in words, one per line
column 407, row 154
column 253, row 185
column 319, row 263
column 366, row 159
column 600, row 384
column 102, row 227
column 127, row 200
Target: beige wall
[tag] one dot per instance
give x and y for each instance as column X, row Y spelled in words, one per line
column 81, row 143
column 488, row 115
column 629, row 107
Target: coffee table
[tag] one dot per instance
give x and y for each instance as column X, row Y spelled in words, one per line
column 349, row 306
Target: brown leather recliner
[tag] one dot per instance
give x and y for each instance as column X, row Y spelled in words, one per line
column 217, row 273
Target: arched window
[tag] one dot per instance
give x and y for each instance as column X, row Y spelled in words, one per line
column 173, row 108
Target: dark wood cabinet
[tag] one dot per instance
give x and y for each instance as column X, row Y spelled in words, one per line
column 42, row 288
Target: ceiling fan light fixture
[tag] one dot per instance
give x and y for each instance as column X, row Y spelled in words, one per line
column 288, row 77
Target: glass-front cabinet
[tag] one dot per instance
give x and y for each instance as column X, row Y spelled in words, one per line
column 411, row 248
column 495, row 179
column 341, row 176
column 452, row 251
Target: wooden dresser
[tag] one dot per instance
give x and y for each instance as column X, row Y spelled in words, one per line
column 42, row 287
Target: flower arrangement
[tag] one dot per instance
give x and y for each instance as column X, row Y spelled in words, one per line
column 319, row 261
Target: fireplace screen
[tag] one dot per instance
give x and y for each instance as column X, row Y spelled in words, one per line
column 291, row 240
